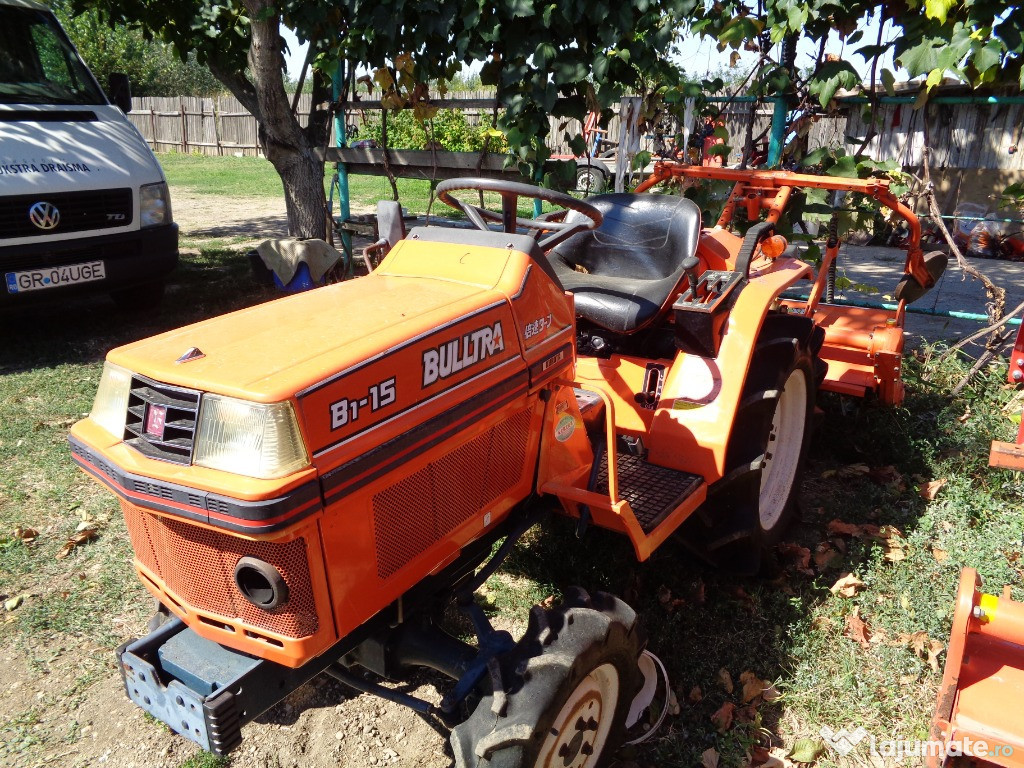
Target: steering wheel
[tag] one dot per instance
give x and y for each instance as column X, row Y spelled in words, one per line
column 510, row 191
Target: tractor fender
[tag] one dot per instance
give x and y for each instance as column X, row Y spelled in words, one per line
column 701, row 395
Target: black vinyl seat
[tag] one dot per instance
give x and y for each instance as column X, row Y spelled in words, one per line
column 632, row 262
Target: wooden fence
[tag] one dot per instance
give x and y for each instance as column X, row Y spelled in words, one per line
column 977, row 149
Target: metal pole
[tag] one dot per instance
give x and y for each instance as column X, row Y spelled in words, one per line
column 344, row 212
column 954, row 313
column 778, row 132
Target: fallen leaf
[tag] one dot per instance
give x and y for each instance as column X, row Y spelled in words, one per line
column 709, row 758
column 908, row 679
column 839, row 528
column 888, row 477
column 847, row 585
column 753, row 686
column 673, row 707
column 771, row 693
column 747, row 714
column 797, row 556
column 856, row 629
column 854, row 470
column 825, row 556
column 939, row 554
column 935, row 647
column 806, row 750
column 723, row 716
column 741, row 594
column 82, row 537
column 14, row 602
column 26, row 535
column 696, row 695
column 965, row 415
column 931, row 489
column 725, row 680
column 759, row 755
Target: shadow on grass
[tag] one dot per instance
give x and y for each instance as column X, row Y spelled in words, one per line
column 82, row 330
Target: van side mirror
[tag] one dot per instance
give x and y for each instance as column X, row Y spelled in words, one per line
column 119, row 91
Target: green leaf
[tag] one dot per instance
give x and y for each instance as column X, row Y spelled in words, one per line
column 543, row 55
column 919, row 59
column 938, row 9
column 578, row 146
column 720, row 150
column 812, row 159
column 987, row 56
column 830, row 77
column 640, row 160
column 847, row 168
column 934, row 78
column 889, row 81
column 806, row 750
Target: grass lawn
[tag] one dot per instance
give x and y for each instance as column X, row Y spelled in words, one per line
column 868, row 466
column 256, row 177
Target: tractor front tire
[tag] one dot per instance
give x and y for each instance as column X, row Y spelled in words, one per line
column 748, row 510
column 569, row 684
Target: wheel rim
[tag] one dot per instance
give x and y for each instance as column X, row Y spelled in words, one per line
column 588, row 181
column 782, row 454
column 578, row 735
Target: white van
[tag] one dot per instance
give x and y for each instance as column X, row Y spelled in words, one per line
column 84, row 205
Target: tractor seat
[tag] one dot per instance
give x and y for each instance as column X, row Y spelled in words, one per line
column 626, row 270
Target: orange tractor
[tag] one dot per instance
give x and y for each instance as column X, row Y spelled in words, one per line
column 308, row 483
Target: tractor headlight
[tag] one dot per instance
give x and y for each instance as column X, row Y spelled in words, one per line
column 110, row 408
column 252, row 439
column 154, row 205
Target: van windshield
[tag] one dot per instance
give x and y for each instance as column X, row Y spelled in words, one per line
column 38, row 65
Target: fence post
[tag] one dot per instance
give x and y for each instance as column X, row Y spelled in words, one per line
column 215, row 108
column 152, row 127
column 184, row 125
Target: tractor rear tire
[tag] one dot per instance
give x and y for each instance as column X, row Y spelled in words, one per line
column 569, row 684
column 749, row 509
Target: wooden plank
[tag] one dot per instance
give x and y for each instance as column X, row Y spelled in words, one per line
column 420, row 163
column 439, row 103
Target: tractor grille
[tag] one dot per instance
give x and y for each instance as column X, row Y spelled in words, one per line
column 79, row 212
column 198, row 566
column 426, row 506
column 180, row 407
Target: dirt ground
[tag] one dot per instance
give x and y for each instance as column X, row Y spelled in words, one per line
column 59, row 721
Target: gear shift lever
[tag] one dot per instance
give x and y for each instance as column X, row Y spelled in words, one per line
column 690, row 264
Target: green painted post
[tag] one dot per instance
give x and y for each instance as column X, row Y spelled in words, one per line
column 778, row 132
column 344, row 211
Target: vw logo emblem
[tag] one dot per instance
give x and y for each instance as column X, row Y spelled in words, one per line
column 44, row 215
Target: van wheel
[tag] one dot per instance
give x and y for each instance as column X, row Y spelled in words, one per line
column 141, row 298
column 572, row 679
column 749, row 509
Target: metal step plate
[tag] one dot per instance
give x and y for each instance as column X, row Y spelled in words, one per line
column 652, row 491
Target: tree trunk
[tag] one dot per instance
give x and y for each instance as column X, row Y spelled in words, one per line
column 289, row 148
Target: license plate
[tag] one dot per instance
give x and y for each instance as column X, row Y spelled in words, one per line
column 54, row 277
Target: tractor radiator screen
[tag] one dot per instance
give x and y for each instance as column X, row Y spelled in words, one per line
column 422, row 509
column 198, row 566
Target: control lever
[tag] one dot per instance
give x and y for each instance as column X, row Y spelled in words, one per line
column 690, row 264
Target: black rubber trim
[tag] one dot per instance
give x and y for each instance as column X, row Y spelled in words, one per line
column 47, row 116
column 343, row 479
column 754, row 236
column 252, row 516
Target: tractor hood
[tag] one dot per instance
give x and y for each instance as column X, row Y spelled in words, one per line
column 270, row 352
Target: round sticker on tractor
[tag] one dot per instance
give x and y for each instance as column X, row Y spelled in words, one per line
column 565, row 427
